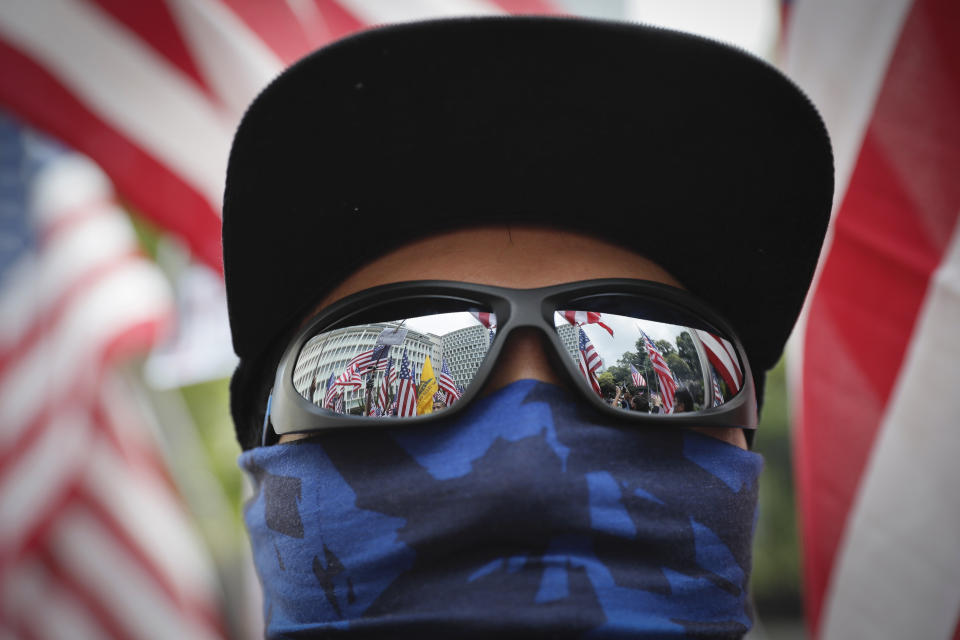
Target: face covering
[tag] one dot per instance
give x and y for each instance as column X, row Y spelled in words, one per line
column 524, row 516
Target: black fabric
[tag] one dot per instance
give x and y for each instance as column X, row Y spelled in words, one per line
column 721, row 164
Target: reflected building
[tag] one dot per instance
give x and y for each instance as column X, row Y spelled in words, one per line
column 568, row 336
column 464, row 350
column 330, row 352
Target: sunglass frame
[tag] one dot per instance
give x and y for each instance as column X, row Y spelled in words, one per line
column 289, row 412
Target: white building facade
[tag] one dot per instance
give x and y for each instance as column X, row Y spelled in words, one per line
column 329, row 353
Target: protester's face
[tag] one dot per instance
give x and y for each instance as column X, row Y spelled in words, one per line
column 519, row 258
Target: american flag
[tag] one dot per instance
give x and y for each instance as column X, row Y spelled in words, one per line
column 389, row 378
column 723, row 357
column 338, row 403
column 331, row 392
column 589, row 361
column 370, row 360
column 447, row 383
column 487, row 319
column 407, row 391
column 578, row 318
column 717, row 395
column 874, row 360
column 638, row 380
column 95, row 542
column 668, row 385
column 349, row 378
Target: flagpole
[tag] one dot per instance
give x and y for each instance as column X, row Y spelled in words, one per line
column 390, row 395
column 648, row 344
column 650, row 373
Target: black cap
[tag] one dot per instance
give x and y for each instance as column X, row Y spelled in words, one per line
column 719, row 162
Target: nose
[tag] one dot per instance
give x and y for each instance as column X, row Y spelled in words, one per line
column 524, row 356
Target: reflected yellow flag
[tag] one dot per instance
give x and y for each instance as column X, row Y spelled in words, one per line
column 428, row 387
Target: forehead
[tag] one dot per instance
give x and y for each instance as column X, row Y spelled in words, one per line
column 505, row 256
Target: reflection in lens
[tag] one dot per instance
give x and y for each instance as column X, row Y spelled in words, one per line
column 643, row 365
column 402, row 368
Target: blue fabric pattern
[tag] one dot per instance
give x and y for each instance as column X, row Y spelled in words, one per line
column 525, row 516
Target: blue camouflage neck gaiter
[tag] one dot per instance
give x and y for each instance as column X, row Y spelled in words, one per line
column 524, row 516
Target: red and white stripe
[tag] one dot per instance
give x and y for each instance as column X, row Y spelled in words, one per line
column 723, row 356
column 487, row 319
column 383, row 394
column 330, row 395
column 578, row 318
column 363, row 362
column 349, row 378
column 93, row 540
column 407, row 398
column 446, row 383
column 584, row 362
column 667, row 385
column 589, row 362
column 874, row 362
column 637, row 377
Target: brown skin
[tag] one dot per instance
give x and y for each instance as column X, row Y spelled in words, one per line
column 518, row 257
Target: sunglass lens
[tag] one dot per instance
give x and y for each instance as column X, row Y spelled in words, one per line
column 398, row 368
column 638, row 364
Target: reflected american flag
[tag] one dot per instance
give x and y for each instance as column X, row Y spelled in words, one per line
column 668, row 385
column 94, row 541
column 407, row 391
column 589, row 361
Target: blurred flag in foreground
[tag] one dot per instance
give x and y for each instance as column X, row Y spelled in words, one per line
column 876, row 363
column 94, row 542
